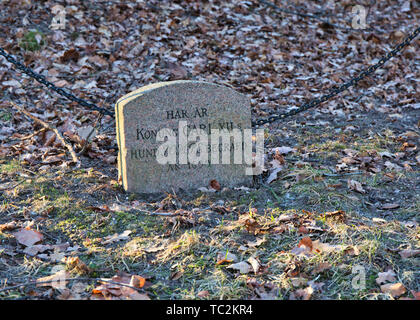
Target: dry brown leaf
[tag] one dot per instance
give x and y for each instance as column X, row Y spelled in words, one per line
column 302, row 294
column 388, row 276
column 304, row 247
column 37, row 248
column 28, row 237
column 132, row 294
column 243, row 267
column 176, row 275
column 8, row 226
column 306, row 242
column 74, row 264
column 117, row 237
column 70, row 54
column 318, row 246
column 303, row 230
column 407, row 253
column 256, row 243
column 321, row 267
column 394, row 289
column 223, row 257
column 355, row 186
column 352, row 250
column 203, row 294
column 254, row 263
column 115, row 291
column 215, row 185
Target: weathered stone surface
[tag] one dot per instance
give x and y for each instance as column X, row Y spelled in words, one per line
column 142, row 113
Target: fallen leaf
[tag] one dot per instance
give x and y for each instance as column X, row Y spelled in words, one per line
column 394, row 289
column 115, row 291
column 303, row 230
column 303, row 294
column 307, row 242
column 352, row 250
column 28, row 237
column 321, row 267
column 407, row 253
column 214, row 184
column 176, row 275
column 383, row 277
column 203, row 294
column 355, row 186
column 392, row 166
column 35, row 249
column 70, row 54
column 223, row 257
column 117, row 237
column 243, row 267
column 256, row 243
column 74, row 264
column 273, row 175
column 318, row 246
column 297, row 282
column 153, row 249
column 254, row 263
column 8, row 226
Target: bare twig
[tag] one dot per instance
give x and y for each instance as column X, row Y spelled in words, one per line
column 11, row 187
column 33, row 134
column 96, row 127
column 164, row 214
column 57, row 133
column 31, row 283
column 342, row 174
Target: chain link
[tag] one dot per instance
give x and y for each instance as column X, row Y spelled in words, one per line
column 272, row 118
column 335, row 91
column 41, row 79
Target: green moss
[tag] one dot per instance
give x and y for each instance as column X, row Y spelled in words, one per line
column 5, row 116
column 33, row 41
column 11, row 167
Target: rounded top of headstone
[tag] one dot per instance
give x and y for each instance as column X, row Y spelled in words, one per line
column 178, row 83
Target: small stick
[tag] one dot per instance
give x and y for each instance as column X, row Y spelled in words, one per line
column 33, row 134
column 342, row 174
column 12, row 187
column 47, row 126
column 31, row 283
column 164, row 214
column 95, row 128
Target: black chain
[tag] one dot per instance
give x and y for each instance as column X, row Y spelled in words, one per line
column 311, row 104
column 41, row 79
column 317, row 101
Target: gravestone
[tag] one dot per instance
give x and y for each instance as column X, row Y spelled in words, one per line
column 144, row 116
